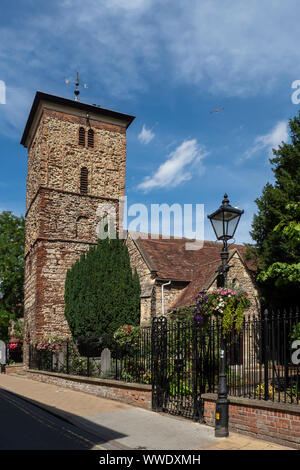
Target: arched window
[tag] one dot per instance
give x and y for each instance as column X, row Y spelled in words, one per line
column 81, row 136
column 29, row 271
column 90, row 138
column 84, row 180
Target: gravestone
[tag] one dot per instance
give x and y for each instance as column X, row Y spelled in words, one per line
column 2, row 355
column 105, row 361
column 61, row 358
column 58, row 360
column 2, row 352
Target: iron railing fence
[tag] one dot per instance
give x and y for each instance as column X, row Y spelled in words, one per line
column 182, row 359
column 97, row 357
column 262, row 361
column 184, row 365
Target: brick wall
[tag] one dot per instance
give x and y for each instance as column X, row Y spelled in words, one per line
column 242, row 277
column 59, row 215
column 55, row 158
column 14, row 369
column 171, row 292
column 133, row 394
column 60, row 221
column 151, row 303
column 147, row 280
column 274, row 422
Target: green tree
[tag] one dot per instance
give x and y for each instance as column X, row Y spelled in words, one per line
column 101, row 292
column 12, row 236
column 284, row 273
column 274, row 223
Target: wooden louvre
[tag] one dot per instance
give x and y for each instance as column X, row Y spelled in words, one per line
column 81, row 136
column 90, row 138
column 84, row 180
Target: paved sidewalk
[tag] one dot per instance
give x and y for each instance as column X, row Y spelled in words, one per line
column 140, row 429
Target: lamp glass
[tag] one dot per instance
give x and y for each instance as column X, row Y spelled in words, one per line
column 217, row 223
column 225, row 223
column 231, row 225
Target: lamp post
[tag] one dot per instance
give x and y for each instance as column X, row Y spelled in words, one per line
column 224, row 222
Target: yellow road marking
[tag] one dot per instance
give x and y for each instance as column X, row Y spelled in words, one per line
column 44, row 422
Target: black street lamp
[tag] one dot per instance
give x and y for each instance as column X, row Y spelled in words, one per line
column 224, row 222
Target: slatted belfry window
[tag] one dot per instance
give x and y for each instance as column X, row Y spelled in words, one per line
column 81, row 136
column 84, row 180
column 90, row 138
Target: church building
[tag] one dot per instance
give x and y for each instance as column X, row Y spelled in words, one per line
column 76, row 161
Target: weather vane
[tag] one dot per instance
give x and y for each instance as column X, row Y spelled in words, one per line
column 77, row 83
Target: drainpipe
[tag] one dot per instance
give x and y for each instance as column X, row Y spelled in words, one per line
column 162, row 296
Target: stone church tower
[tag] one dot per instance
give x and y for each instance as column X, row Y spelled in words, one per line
column 76, row 160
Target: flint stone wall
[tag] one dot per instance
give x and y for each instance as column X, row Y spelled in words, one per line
column 60, row 221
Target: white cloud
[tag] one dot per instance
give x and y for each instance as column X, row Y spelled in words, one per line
column 13, row 113
column 146, row 135
column 229, row 47
column 273, row 139
column 223, row 48
column 178, row 167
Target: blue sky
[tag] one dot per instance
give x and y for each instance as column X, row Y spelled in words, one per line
column 169, row 63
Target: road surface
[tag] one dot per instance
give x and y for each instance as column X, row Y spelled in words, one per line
column 25, row 426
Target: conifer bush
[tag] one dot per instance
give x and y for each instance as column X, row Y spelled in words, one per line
column 101, row 292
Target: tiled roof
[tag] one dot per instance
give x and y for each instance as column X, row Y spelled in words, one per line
column 202, row 280
column 170, row 259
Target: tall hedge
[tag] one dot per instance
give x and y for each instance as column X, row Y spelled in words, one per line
column 101, row 292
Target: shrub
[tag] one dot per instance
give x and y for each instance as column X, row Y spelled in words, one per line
column 101, row 292
column 128, row 335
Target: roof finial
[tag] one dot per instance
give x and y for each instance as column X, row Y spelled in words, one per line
column 225, row 200
column 77, row 83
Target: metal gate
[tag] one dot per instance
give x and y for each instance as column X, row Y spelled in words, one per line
column 179, row 367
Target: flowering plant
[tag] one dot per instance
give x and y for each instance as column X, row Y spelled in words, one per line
column 48, row 344
column 228, row 303
column 260, row 390
column 128, row 335
column 146, row 376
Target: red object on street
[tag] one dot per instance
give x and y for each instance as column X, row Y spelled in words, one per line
column 15, row 343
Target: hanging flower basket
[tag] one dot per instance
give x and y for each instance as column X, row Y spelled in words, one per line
column 49, row 344
column 227, row 304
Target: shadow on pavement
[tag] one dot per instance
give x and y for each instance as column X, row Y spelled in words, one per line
column 94, row 432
